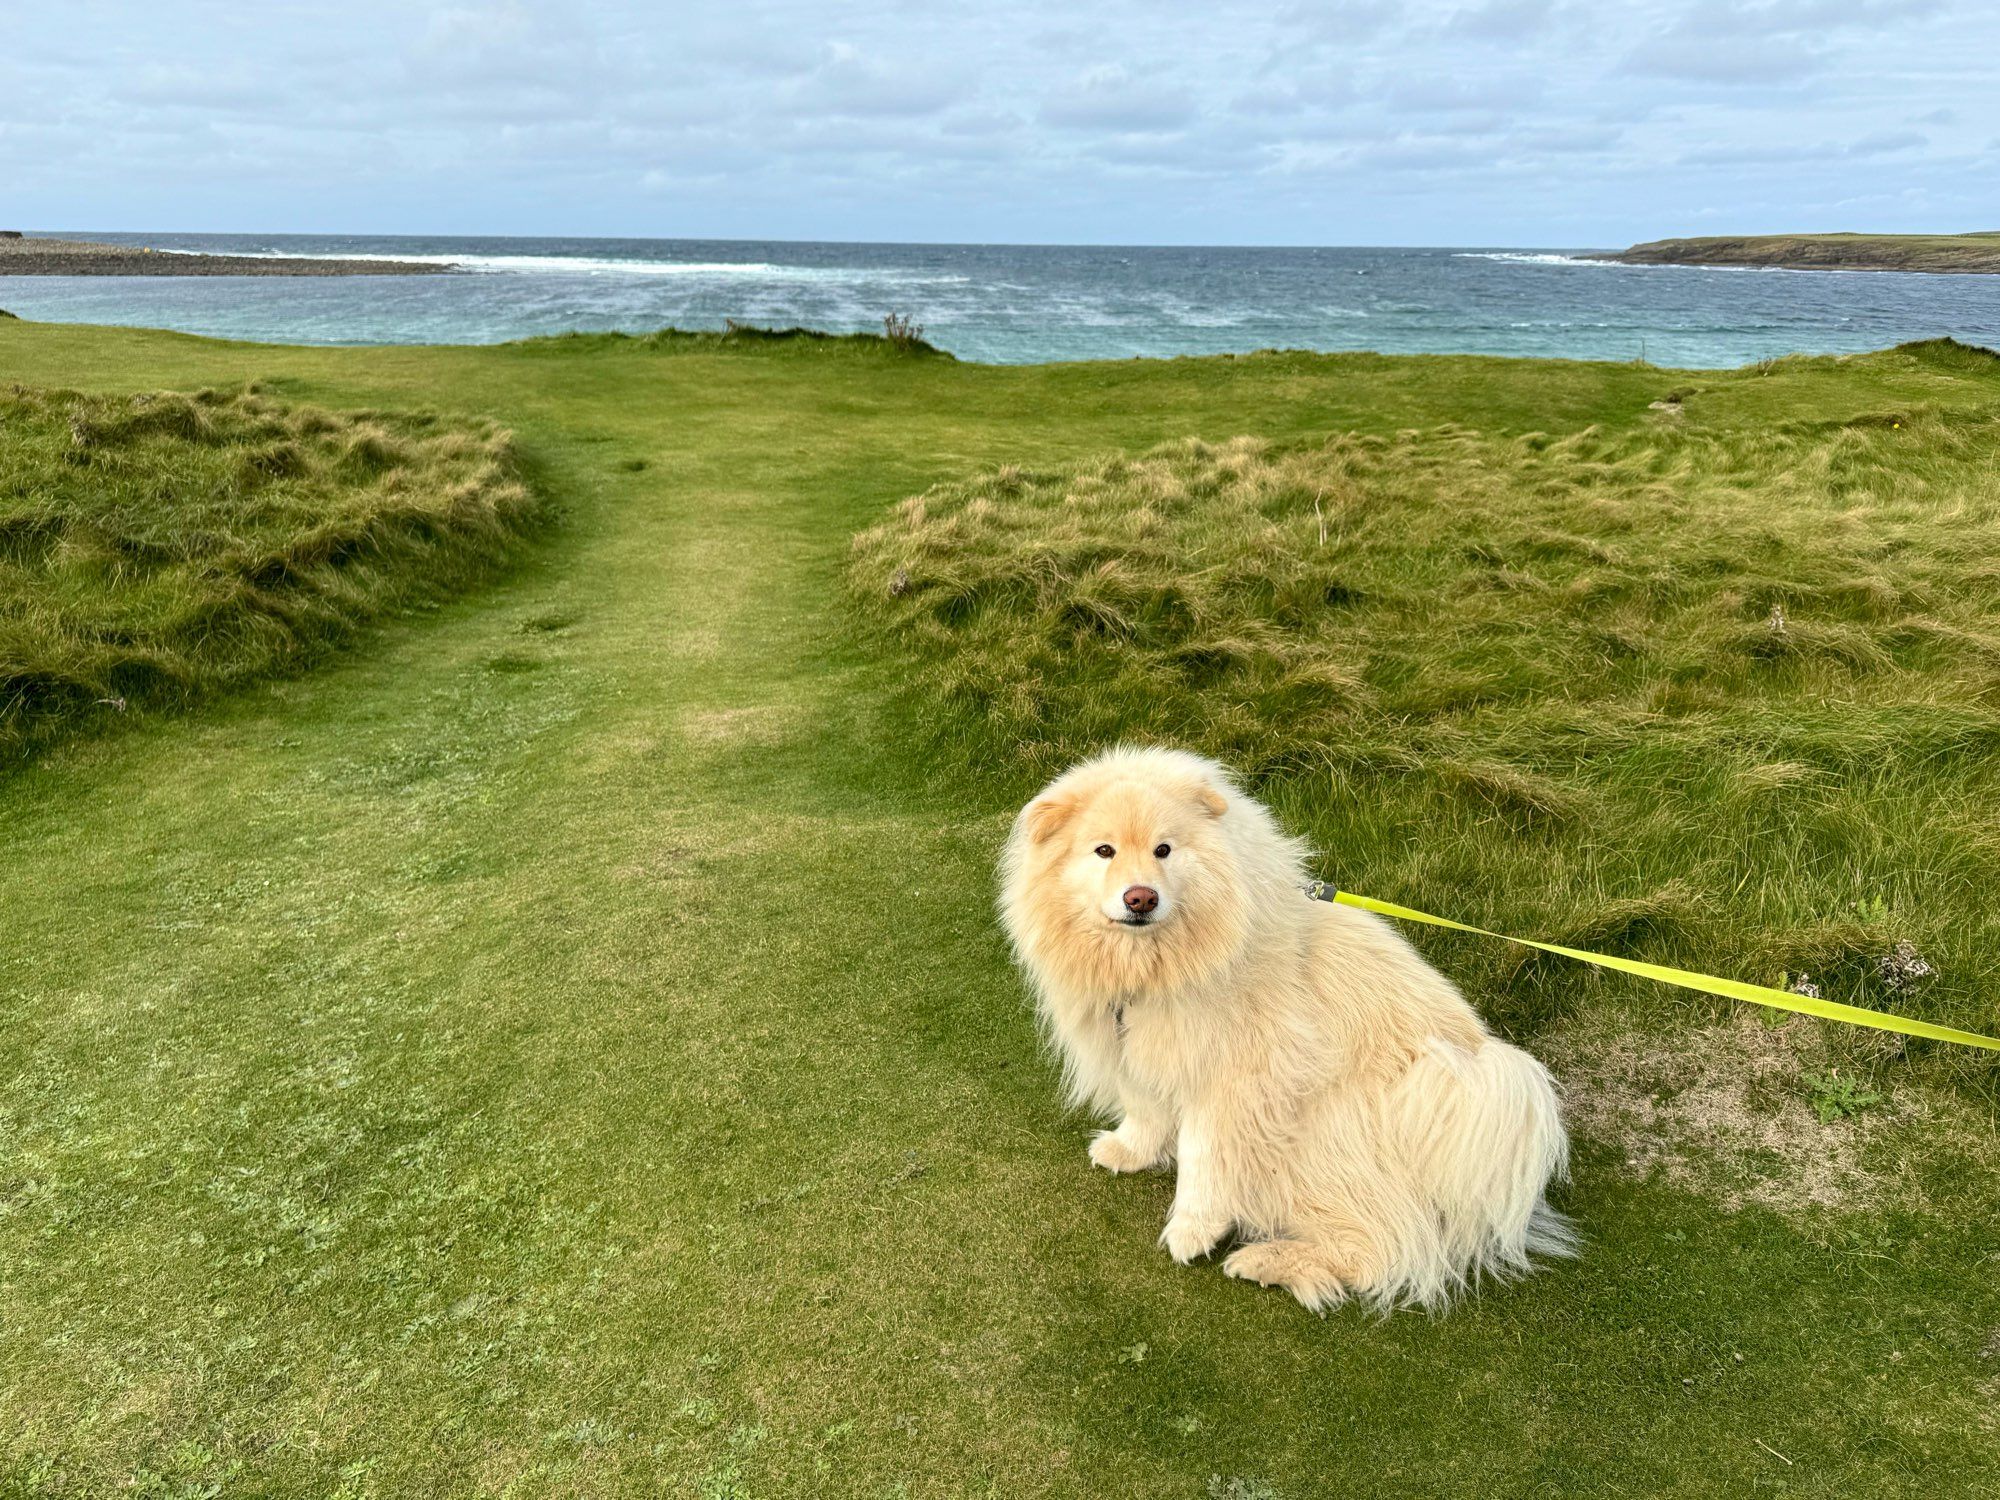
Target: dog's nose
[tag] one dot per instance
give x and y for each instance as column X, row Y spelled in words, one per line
column 1141, row 900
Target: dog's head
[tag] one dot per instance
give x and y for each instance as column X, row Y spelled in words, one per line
column 1121, row 874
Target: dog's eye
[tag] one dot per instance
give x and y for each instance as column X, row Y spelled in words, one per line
column 1105, row 851
column 1163, row 851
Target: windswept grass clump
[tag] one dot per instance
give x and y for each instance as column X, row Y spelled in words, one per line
column 899, row 337
column 1726, row 695
column 158, row 547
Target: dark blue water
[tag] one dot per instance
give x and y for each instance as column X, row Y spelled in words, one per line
column 1031, row 303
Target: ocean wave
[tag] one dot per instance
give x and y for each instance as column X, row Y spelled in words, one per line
column 1525, row 258
column 1528, row 257
column 1695, row 265
column 579, row 265
column 1184, row 314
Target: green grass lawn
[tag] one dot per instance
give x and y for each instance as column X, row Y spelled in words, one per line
column 563, row 1045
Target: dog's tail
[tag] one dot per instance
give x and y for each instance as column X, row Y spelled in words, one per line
column 1482, row 1135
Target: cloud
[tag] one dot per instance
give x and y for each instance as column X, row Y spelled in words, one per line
column 1762, row 154
column 1567, row 140
column 981, row 123
column 1888, row 142
column 483, row 44
column 1304, row 85
column 1773, row 42
column 1109, row 98
column 1341, row 21
column 1487, row 121
column 1412, row 152
column 1450, row 92
column 1716, row 19
column 210, row 90
column 847, row 81
column 1504, row 20
column 1695, row 59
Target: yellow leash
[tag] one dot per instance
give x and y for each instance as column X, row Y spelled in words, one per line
column 1734, row 989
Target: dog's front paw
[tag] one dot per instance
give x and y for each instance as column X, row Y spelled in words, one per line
column 1188, row 1237
column 1308, row 1275
column 1114, row 1151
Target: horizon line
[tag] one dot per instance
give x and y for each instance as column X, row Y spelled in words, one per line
column 723, row 239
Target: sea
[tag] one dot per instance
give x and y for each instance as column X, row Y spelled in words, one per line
column 1037, row 303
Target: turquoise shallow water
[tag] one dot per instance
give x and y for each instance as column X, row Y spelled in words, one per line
column 1031, row 303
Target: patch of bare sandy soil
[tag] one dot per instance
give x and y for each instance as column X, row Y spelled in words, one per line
column 1730, row 1110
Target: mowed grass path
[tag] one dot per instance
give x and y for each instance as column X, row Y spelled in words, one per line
column 564, row 1047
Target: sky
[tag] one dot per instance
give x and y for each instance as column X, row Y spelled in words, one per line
column 1429, row 122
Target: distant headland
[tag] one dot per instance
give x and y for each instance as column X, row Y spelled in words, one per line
column 1975, row 252
column 27, row 255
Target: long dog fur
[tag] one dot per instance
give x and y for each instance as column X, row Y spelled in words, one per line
column 1323, row 1092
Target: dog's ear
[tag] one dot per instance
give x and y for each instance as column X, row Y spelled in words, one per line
column 1210, row 800
column 1047, row 816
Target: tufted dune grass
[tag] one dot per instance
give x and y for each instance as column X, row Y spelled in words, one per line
column 561, row 1045
column 1718, row 694
column 160, row 547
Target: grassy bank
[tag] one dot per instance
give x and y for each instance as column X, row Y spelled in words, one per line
column 564, row 1047
column 161, row 547
column 1826, row 252
column 1760, row 647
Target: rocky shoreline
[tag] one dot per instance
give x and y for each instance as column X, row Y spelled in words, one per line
column 21, row 255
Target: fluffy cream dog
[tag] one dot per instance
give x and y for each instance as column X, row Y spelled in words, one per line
column 1323, row 1091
